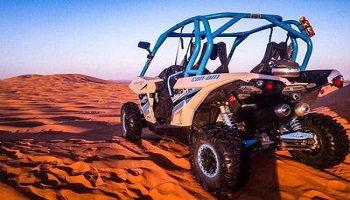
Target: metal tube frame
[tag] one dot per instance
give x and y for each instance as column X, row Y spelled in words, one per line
column 198, row 34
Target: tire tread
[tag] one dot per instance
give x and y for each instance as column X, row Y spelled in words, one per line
column 337, row 142
column 134, row 122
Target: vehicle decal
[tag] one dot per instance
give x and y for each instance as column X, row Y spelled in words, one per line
column 138, row 82
column 181, row 104
column 189, row 99
column 143, row 87
column 206, row 78
column 145, row 107
column 143, row 100
column 187, row 95
column 181, row 94
column 178, row 106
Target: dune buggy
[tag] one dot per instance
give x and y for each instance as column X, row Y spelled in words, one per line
column 223, row 116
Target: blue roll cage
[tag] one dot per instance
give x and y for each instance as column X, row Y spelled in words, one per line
column 209, row 34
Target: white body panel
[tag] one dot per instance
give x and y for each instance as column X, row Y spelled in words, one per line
column 183, row 116
column 208, row 83
column 146, row 85
column 142, row 85
column 206, row 80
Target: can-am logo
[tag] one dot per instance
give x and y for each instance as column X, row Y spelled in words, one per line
column 201, row 78
column 139, row 82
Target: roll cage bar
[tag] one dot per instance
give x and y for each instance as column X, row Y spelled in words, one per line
column 209, row 34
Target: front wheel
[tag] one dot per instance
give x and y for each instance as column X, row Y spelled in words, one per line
column 131, row 120
column 215, row 157
column 333, row 143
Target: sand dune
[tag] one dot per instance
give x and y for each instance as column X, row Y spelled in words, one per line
column 60, row 138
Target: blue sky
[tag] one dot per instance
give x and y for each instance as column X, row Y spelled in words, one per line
column 99, row 38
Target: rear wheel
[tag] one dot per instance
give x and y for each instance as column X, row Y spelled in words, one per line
column 216, row 158
column 333, row 143
column 131, row 120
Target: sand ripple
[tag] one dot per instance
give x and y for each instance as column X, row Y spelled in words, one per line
column 60, row 138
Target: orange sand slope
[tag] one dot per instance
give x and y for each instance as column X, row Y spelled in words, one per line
column 60, row 138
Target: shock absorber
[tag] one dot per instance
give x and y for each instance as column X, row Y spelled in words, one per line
column 226, row 116
column 295, row 124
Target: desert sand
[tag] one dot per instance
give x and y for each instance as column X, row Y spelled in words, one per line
column 60, row 138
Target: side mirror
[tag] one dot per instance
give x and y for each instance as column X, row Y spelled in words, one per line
column 145, row 45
